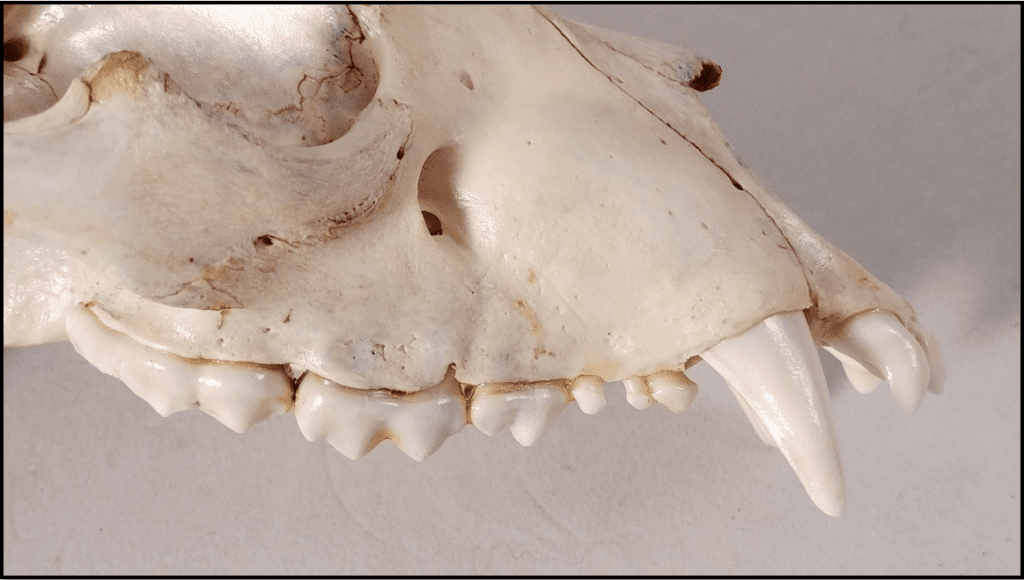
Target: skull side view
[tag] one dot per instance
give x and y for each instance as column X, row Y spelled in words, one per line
column 391, row 221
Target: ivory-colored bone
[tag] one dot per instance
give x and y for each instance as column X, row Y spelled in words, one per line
column 489, row 198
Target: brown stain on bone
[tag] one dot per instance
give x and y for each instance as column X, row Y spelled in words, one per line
column 122, row 73
column 536, row 329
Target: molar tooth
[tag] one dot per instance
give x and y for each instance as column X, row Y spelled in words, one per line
column 160, row 379
column 876, row 345
column 638, row 392
column 527, row 410
column 238, row 395
column 588, row 390
column 354, row 421
column 673, row 389
column 326, row 410
column 774, row 367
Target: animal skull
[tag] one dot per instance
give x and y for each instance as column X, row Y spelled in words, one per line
column 391, row 221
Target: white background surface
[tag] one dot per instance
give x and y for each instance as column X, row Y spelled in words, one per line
column 892, row 130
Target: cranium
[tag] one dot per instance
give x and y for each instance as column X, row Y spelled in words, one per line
column 392, row 221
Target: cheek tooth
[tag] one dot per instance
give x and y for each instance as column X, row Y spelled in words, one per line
column 673, row 389
column 354, row 421
column 423, row 421
column 326, row 410
column 527, row 411
column 774, row 367
column 877, row 345
column 239, row 395
column 588, row 391
column 638, row 392
column 162, row 380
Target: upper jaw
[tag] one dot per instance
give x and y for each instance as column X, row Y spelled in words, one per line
column 772, row 368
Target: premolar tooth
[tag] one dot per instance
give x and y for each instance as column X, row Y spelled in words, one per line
column 638, row 392
column 527, row 410
column 673, row 389
column 877, row 345
column 774, row 366
column 354, row 421
column 588, row 390
column 423, row 421
column 238, row 395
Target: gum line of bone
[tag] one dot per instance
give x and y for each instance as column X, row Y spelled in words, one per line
column 772, row 369
column 352, row 420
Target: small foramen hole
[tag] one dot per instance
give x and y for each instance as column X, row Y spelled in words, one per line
column 401, row 153
column 707, row 78
column 15, row 49
column 433, row 223
column 466, row 80
column 263, row 241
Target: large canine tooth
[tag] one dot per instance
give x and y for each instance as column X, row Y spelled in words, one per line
column 528, row 411
column 238, row 395
column 876, row 345
column 755, row 421
column 774, row 367
column 588, row 390
column 354, row 421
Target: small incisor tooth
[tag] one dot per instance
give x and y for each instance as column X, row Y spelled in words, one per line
column 238, row 395
column 588, row 390
column 354, row 421
column 527, row 410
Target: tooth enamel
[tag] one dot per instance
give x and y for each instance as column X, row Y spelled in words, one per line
column 527, row 410
column 239, row 395
column 863, row 380
column 673, row 389
column 354, row 421
column 774, row 366
column 588, row 390
column 881, row 346
column 638, row 392
column 755, row 422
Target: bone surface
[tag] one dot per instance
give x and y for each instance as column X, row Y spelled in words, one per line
column 425, row 207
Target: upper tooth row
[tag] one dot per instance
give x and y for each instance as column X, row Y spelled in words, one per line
column 352, row 420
